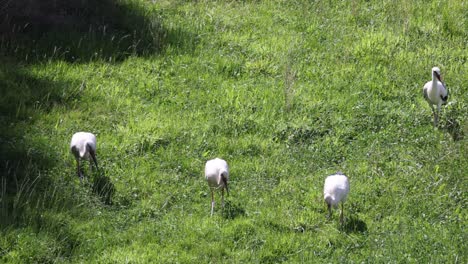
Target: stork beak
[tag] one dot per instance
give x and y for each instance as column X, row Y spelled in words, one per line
column 82, row 152
column 438, row 76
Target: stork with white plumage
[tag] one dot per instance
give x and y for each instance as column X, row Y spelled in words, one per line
column 83, row 147
column 336, row 190
column 435, row 93
column 217, row 176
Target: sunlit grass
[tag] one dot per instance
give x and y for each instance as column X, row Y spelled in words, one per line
column 286, row 91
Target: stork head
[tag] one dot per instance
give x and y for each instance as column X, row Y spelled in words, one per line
column 85, row 150
column 328, row 199
column 222, row 176
column 436, row 73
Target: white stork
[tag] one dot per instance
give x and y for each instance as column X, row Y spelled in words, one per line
column 435, row 93
column 217, row 176
column 336, row 190
column 83, row 146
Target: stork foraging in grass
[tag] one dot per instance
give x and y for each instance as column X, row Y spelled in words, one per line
column 336, row 190
column 217, row 176
column 83, row 146
column 435, row 93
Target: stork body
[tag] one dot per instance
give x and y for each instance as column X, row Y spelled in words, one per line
column 83, row 147
column 217, row 176
column 435, row 93
column 336, row 190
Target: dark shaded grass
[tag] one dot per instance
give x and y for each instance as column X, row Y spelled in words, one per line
column 83, row 30
column 27, row 191
column 38, row 32
column 24, row 98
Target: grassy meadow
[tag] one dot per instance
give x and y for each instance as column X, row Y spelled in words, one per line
column 287, row 92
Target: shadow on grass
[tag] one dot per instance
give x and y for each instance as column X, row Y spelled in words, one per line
column 21, row 182
column 83, row 30
column 232, row 210
column 22, row 160
column 36, row 32
column 455, row 130
column 34, row 194
column 454, row 117
column 354, row 225
column 104, row 188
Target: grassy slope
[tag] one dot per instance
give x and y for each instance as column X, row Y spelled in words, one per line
column 288, row 92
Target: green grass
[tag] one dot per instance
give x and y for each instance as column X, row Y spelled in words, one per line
column 287, row 92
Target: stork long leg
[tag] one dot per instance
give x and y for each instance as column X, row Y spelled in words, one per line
column 342, row 213
column 78, row 169
column 222, row 198
column 436, row 116
column 212, row 202
column 329, row 211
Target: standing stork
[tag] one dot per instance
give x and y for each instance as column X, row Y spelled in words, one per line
column 83, row 146
column 435, row 93
column 217, row 176
column 336, row 190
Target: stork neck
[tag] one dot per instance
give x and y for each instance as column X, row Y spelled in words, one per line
column 84, row 149
column 434, row 79
column 435, row 85
column 329, row 199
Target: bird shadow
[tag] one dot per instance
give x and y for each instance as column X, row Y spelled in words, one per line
column 103, row 187
column 454, row 117
column 453, row 128
column 232, row 210
column 354, row 225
